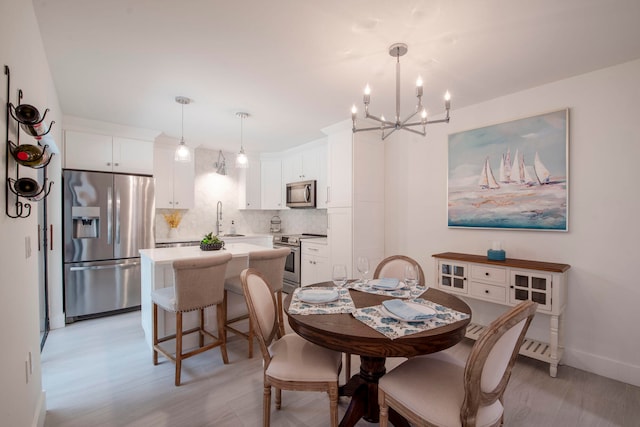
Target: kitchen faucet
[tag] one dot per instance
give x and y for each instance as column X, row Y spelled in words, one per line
column 219, row 218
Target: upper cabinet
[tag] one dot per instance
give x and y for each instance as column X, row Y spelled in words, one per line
column 340, row 167
column 250, row 179
column 308, row 163
column 174, row 180
column 105, row 153
column 271, row 186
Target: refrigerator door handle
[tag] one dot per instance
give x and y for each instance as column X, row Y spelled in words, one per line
column 106, row 267
column 117, row 217
column 109, row 214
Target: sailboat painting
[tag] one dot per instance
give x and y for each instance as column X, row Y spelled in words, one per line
column 530, row 157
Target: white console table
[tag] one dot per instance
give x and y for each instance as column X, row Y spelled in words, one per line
column 507, row 283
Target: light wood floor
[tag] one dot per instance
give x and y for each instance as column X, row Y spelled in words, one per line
column 99, row 373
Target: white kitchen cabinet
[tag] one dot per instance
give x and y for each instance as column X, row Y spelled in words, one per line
column 340, row 237
column 105, row 153
column 355, row 207
column 340, row 169
column 314, row 261
column 308, row 163
column 250, row 191
column 507, row 283
column 174, row 180
column 272, row 194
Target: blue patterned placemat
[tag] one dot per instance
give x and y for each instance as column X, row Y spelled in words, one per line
column 393, row 328
column 408, row 292
column 344, row 304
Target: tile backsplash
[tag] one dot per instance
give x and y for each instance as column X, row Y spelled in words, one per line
column 211, row 188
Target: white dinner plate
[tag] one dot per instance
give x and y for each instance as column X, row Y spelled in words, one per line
column 423, row 309
column 375, row 284
column 318, row 296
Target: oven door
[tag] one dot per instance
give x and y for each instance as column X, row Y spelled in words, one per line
column 291, row 268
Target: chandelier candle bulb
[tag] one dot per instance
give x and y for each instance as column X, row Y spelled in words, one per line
column 367, row 94
column 419, row 87
column 447, row 100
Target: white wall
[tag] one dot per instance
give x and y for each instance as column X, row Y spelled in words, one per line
column 22, row 402
column 604, row 203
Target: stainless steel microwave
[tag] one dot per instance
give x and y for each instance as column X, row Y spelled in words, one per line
column 301, row 194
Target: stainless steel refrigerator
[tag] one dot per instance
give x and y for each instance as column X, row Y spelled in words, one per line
column 107, row 218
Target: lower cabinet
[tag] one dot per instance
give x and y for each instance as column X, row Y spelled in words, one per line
column 314, row 261
column 507, row 283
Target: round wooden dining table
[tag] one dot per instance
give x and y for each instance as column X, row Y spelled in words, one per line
column 344, row 333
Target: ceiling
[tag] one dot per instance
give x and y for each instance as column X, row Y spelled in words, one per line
column 298, row 66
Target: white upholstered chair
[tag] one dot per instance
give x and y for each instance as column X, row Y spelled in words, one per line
column 439, row 390
column 290, row 361
column 394, row 266
column 198, row 284
column 269, row 262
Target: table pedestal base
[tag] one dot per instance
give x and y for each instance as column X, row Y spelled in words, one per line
column 363, row 389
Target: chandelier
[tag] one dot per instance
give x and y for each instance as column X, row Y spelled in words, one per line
column 387, row 127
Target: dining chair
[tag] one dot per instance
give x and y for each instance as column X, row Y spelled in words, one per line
column 290, row 362
column 394, row 266
column 270, row 262
column 198, row 284
column 439, row 390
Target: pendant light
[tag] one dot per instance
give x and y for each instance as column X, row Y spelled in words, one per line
column 183, row 153
column 242, row 161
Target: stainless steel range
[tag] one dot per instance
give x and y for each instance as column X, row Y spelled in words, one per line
column 292, row 265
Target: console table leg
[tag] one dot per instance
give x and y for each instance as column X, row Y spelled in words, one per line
column 554, row 343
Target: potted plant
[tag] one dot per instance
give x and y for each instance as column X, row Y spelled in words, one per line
column 211, row 243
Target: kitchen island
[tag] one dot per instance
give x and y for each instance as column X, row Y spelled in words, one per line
column 157, row 272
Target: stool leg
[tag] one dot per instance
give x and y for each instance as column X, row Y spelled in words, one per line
column 224, row 324
column 250, row 334
column 200, row 334
column 221, row 313
column 178, row 346
column 155, row 333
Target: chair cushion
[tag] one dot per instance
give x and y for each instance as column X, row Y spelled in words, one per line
column 433, row 388
column 165, row 298
column 296, row 359
column 233, row 284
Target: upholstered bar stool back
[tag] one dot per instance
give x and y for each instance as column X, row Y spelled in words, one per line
column 270, row 263
column 198, row 284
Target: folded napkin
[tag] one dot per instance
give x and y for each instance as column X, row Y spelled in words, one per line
column 318, row 295
column 386, row 283
column 404, row 311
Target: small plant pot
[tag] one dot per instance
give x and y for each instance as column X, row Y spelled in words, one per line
column 211, row 246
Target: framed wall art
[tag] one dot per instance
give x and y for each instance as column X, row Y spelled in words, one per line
column 511, row 175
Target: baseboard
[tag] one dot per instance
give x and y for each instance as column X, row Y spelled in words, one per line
column 610, row 368
column 41, row 411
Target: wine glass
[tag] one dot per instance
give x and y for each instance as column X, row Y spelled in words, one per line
column 363, row 268
column 410, row 275
column 339, row 275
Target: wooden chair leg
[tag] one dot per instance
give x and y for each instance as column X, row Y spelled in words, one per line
column 384, row 409
column 178, row 346
column 347, row 367
column 155, row 333
column 250, row 338
column 200, row 333
column 266, row 406
column 333, row 404
column 221, row 315
column 278, row 398
column 224, row 324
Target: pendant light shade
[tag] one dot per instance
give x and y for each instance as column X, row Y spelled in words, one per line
column 183, row 153
column 242, row 161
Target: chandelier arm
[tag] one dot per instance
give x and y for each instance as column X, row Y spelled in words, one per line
column 407, row 119
column 374, row 128
column 423, row 132
column 379, row 119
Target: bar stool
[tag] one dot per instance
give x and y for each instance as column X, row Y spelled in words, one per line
column 270, row 263
column 198, row 284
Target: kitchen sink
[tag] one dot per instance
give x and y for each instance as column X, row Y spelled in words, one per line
column 233, row 235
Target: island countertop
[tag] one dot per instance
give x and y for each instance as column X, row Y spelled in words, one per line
column 168, row 255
